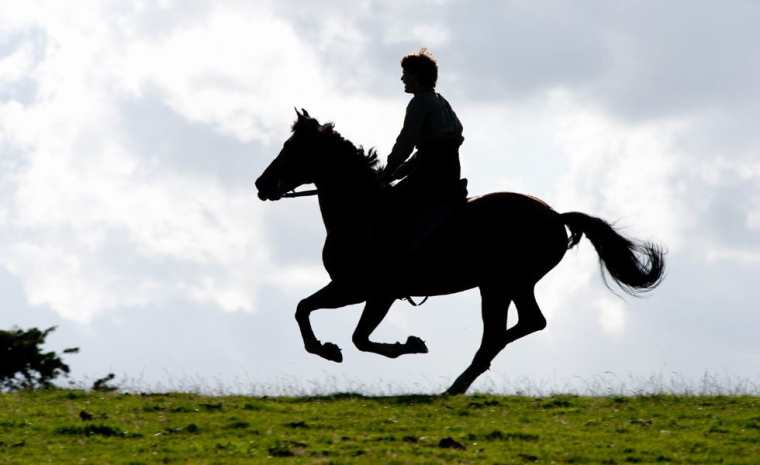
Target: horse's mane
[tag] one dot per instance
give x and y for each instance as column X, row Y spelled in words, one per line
column 368, row 162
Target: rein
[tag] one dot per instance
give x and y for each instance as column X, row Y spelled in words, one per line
column 291, row 194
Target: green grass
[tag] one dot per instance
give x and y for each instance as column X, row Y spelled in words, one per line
column 46, row 427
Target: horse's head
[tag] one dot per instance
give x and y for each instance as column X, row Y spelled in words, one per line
column 295, row 165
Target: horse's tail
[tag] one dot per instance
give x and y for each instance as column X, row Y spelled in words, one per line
column 636, row 267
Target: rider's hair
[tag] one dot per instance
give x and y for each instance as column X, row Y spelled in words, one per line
column 423, row 65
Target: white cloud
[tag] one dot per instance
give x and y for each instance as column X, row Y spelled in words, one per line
column 91, row 226
column 17, row 64
column 240, row 71
column 753, row 216
column 78, row 188
column 94, row 221
column 68, row 217
column 742, row 256
column 299, row 280
column 612, row 314
column 626, row 174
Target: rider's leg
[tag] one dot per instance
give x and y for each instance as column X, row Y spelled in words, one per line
column 374, row 311
column 331, row 296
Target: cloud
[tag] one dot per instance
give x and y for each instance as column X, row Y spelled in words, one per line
column 232, row 71
column 90, row 223
column 131, row 132
column 129, row 182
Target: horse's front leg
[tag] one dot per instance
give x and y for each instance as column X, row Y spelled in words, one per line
column 374, row 312
column 331, row 296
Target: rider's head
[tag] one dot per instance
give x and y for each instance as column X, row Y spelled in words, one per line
column 420, row 72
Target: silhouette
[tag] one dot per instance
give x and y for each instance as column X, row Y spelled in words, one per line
column 24, row 365
column 430, row 184
column 501, row 243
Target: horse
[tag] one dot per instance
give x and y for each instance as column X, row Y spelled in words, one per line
column 503, row 243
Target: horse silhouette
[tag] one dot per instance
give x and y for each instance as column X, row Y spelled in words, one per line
column 501, row 243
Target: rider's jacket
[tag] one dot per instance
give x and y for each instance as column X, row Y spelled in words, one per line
column 434, row 129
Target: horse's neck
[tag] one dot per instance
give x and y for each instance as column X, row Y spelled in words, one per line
column 345, row 204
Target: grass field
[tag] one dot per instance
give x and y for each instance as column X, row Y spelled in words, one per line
column 63, row 426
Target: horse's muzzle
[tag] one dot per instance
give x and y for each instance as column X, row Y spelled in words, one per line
column 268, row 190
column 261, row 187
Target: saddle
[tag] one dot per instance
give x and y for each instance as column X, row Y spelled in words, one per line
column 412, row 221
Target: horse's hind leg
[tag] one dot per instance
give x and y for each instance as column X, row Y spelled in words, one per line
column 494, row 308
column 374, row 312
column 495, row 303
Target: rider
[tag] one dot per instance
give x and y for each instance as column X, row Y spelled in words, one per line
column 432, row 173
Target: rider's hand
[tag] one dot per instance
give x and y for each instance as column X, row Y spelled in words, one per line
column 387, row 175
column 402, row 170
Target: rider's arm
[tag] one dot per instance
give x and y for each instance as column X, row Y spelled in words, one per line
column 407, row 167
column 409, row 136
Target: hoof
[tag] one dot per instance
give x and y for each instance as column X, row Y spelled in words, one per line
column 459, row 387
column 415, row 345
column 331, row 352
column 453, row 391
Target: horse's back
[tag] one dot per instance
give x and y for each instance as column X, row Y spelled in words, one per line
column 510, row 200
column 508, row 214
column 502, row 236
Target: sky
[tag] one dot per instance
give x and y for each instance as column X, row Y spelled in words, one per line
column 131, row 133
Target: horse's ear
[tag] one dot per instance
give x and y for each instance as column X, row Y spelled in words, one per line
column 305, row 113
column 299, row 114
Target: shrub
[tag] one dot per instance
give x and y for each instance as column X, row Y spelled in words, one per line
column 23, row 364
